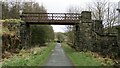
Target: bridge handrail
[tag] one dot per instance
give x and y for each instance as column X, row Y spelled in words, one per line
column 40, row 17
column 52, row 15
column 49, row 13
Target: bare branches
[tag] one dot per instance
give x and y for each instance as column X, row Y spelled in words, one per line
column 106, row 11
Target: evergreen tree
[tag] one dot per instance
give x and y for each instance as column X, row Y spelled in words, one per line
column 14, row 11
column 5, row 10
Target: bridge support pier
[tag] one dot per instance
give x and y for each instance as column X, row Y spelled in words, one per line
column 83, row 32
column 28, row 34
column 25, row 34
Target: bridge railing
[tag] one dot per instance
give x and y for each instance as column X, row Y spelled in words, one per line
column 38, row 17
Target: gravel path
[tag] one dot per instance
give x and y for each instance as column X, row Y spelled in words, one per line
column 58, row 58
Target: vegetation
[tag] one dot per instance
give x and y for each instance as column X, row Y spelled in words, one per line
column 86, row 58
column 100, row 36
column 41, row 34
column 11, row 32
column 11, row 8
column 70, row 35
column 60, row 36
column 10, row 36
column 14, row 55
column 30, row 57
column 12, row 21
column 99, row 39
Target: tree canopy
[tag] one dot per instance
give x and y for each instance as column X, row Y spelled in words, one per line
column 11, row 9
column 40, row 34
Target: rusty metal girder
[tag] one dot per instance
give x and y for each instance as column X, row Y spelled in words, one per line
column 51, row 18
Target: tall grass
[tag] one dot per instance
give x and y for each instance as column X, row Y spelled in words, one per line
column 30, row 58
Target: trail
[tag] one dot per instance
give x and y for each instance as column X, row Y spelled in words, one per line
column 58, row 57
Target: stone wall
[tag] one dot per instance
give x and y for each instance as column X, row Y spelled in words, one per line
column 90, row 35
column 104, row 43
column 25, row 34
column 83, row 32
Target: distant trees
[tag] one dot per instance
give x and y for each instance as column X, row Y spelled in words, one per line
column 33, row 7
column 5, row 10
column 60, row 36
column 70, row 35
column 10, row 9
column 40, row 34
column 70, row 28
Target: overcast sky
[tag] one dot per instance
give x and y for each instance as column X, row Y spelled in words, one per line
column 61, row 6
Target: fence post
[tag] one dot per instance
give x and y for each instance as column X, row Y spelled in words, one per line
column 0, row 9
column 65, row 16
column 118, row 28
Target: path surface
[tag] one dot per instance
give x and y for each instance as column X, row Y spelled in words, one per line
column 58, row 57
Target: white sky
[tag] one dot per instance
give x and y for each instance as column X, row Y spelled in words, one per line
column 61, row 6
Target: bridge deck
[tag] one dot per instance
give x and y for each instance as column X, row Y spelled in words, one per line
column 51, row 18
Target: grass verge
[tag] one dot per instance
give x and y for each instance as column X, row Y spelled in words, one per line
column 84, row 58
column 33, row 57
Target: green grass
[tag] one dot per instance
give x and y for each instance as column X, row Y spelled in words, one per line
column 81, row 58
column 34, row 58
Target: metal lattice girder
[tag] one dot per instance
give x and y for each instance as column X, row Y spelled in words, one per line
column 0, row 9
column 51, row 18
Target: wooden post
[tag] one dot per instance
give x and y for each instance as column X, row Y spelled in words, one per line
column 65, row 16
column 118, row 40
column 0, row 9
column 1, row 41
column 52, row 16
column 118, row 23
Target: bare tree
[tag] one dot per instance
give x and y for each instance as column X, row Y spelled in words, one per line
column 106, row 11
column 70, row 28
column 73, row 9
